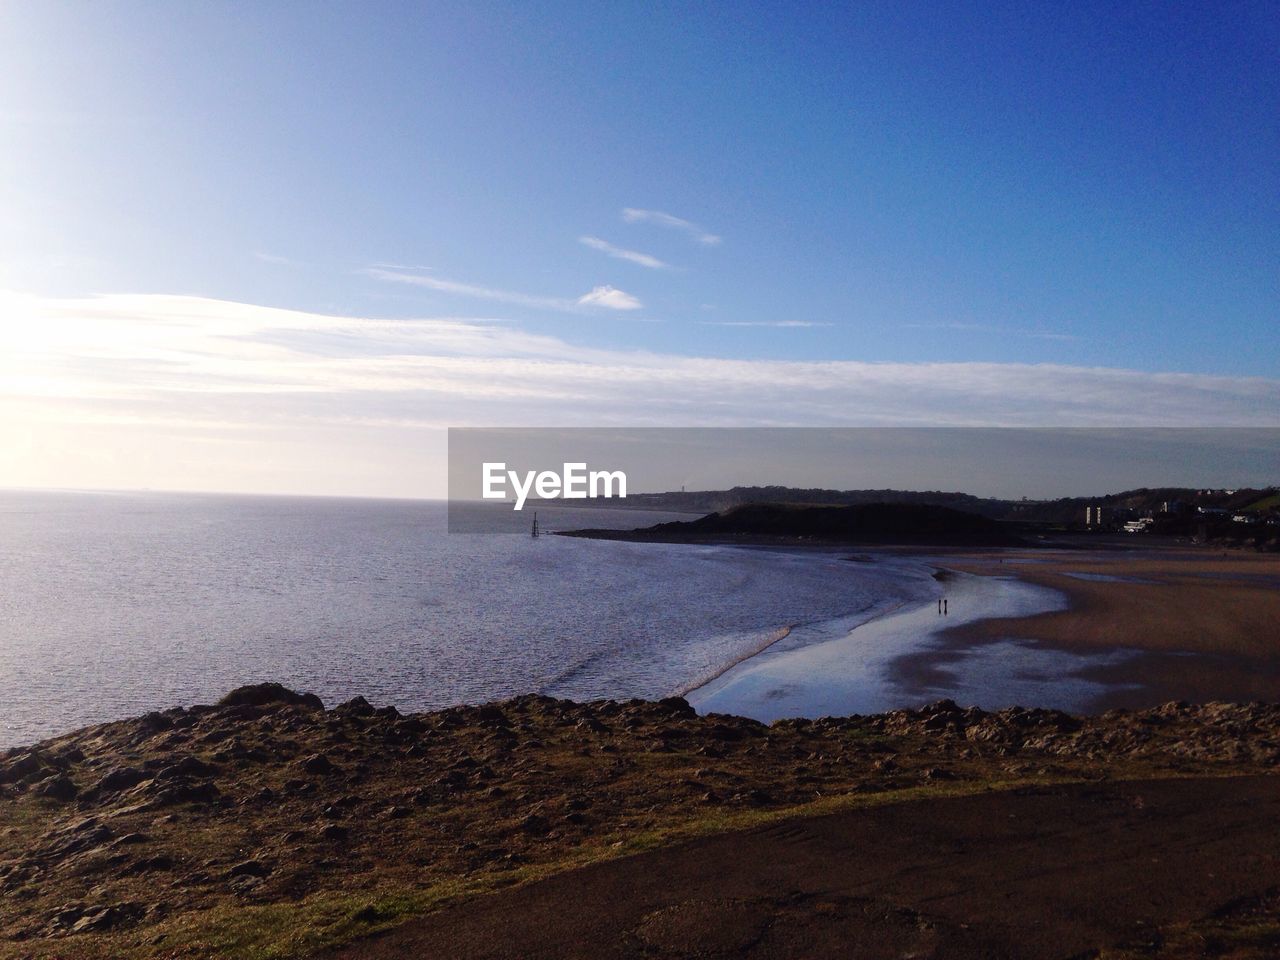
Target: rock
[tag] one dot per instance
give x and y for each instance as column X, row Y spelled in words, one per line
column 410, row 727
column 188, row 766
column 678, row 707
column 724, row 732
column 491, row 715
column 79, row 919
column 81, row 835
column 334, row 832
column 154, row 722
column 246, row 884
column 149, row 865
column 26, row 768
column 117, row 779
column 182, row 790
column 317, row 764
column 129, row 839
column 534, row 824
column 61, row 788
column 250, row 868
column 355, row 707
column 270, row 694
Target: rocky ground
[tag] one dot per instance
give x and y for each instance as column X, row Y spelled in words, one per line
column 267, row 825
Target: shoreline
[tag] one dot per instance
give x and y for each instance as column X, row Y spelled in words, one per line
column 1205, row 640
column 851, row 673
column 1130, row 628
column 1193, row 625
column 774, row 638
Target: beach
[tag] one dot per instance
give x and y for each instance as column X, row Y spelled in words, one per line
column 1196, row 624
column 1073, row 629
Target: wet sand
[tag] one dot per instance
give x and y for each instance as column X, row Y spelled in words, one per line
column 1076, row 630
column 849, row 669
column 1196, row 625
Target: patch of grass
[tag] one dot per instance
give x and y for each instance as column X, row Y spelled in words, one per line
column 1266, row 503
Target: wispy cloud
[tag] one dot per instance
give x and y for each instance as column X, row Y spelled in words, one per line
column 610, row 297
column 634, row 256
column 469, row 289
column 154, row 390
column 764, row 323
column 400, row 266
column 634, row 215
column 988, row 328
column 604, row 296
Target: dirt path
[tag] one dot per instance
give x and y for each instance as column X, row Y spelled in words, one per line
column 1055, row 874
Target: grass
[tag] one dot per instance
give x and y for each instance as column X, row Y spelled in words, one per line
column 1266, row 503
column 467, row 803
column 285, row 931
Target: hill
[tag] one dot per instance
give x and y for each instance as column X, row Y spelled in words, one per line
column 1062, row 510
column 879, row 523
column 269, row 826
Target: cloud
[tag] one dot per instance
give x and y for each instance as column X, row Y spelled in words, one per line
column 633, row 215
column 401, row 266
column 764, row 323
column 610, row 297
column 595, row 243
column 195, row 393
column 604, row 296
column 470, row 290
column 987, row 328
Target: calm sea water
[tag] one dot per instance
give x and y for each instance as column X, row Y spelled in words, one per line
column 115, row 604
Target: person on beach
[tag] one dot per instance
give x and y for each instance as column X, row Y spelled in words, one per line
column 939, row 606
column 944, row 608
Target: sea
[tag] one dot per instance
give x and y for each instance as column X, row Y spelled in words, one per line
column 114, row 604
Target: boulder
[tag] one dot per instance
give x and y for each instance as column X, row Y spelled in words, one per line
column 355, row 707
column 117, row 779
column 60, row 787
column 269, row 694
column 317, row 764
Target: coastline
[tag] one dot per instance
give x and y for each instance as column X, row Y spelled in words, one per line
column 849, row 671
column 1197, row 624
column 1082, row 630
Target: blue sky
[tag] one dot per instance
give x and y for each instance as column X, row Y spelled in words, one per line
column 963, row 189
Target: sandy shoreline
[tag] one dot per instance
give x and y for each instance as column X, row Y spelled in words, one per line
column 1200, row 625
column 1082, row 630
column 839, row 672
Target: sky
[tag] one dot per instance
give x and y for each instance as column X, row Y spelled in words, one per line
column 281, row 247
